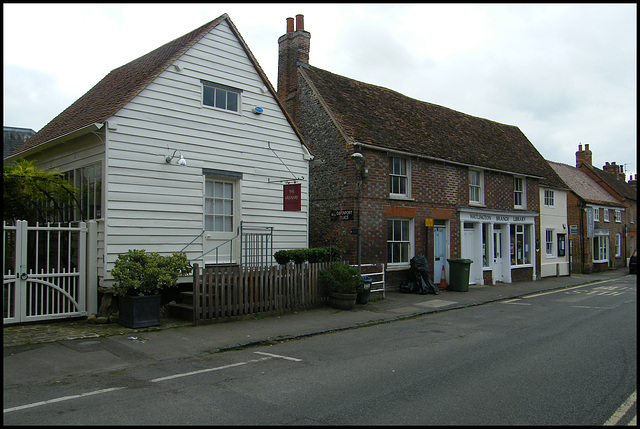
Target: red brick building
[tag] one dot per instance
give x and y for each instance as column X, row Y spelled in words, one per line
column 408, row 177
column 601, row 211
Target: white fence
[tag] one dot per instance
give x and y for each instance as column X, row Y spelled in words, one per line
column 376, row 272
column 46, row 269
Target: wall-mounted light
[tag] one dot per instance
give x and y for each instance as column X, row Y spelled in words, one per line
column 359, row 158
column 180, row 161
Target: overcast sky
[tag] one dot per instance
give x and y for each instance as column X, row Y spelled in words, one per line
column 564, row 74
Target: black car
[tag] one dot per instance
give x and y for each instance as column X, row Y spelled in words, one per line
column 633, row 262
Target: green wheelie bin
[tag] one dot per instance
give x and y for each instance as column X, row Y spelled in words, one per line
column 459, row 271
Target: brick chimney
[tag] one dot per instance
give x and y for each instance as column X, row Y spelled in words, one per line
column 583, row 156
column 293, row 49
column 633, row 181
column 617, row 170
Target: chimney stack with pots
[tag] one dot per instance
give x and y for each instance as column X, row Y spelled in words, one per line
column 293, row 50
column 583, row 156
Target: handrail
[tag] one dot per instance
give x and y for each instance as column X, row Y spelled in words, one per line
column 197, row 236
column 218, row 246
column 243, row 231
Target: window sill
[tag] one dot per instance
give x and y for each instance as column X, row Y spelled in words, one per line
column 400, row 197
column 398, row 267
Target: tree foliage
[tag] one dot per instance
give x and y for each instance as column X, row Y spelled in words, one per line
column 35, row 195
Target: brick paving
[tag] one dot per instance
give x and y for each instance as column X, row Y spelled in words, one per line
column 47, row 332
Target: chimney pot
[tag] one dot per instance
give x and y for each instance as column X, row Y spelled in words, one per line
column 580, row 147
column 586, row 147
column 299, row 22
column 606, row 163
column 289, row 25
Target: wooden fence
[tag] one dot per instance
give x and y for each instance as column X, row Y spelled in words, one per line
column 222, row 292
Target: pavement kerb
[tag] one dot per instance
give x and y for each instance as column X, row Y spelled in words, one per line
column 271, row 340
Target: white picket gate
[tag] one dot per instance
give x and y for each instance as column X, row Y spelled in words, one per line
column 45, row 272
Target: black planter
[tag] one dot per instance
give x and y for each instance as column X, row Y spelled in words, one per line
column 139, row 311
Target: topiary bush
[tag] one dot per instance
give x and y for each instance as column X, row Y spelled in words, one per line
column 140, row 273
column 312, row 255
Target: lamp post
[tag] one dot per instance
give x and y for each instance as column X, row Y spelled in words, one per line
column 360, row 174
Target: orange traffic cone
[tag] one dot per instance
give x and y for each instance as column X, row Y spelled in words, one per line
column 443, row 281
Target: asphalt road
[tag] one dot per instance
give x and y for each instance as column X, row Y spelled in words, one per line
column 566, row 357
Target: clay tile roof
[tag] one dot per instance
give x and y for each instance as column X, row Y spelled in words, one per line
column 620, row 186
column 384, row 118
column 117, row 88
column 583, row 185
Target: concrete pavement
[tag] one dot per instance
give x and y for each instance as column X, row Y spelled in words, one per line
column 51, row 351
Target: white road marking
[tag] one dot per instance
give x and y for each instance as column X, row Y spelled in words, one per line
column 186, row 374
column 279, row 356
column 64, row 398
column 620, row 412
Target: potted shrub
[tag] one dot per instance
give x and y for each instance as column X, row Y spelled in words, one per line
column 140, row 278
column 343, row 283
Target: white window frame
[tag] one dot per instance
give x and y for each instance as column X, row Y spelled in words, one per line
column 221, row 89
column 476, row 186
column 88, row 181
column 596, row 214
column 618, row 245
column 619, row 216
column 525, row 246
column 406, row 242
column 549, row 198
column 601, row 248
column 550, row 243
column 606, row 215
column 399, row 178
column 519, row 192
column 217, row 213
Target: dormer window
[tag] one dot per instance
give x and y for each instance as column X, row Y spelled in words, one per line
column 220, row 96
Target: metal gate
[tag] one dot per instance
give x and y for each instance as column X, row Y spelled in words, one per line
column 44, row 271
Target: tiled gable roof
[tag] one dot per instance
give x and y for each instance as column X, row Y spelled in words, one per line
column 583, row 185
column 117, row 88
column 384, row 118
column 621, row 187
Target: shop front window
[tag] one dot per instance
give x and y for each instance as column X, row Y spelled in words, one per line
column 520, row 244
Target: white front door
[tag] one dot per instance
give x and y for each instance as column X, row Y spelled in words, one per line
column 220, row 221
column 497, row 256
column 439, row 252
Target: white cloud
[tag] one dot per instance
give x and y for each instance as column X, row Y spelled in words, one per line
column 563, row 73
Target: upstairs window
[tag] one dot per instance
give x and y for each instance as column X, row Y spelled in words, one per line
column 398, row 176
column 519, row 196
column 549, row 198
column 596, row 214
column 606, row 215
column 476, row 192
column 619, row 216
column 220, row 96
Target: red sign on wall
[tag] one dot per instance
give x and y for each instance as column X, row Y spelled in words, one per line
column 291, row 198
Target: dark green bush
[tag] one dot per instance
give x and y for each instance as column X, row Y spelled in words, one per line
column 313, row 255
column 342, row 278
column 139, row 273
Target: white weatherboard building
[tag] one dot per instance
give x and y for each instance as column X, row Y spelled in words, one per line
column 179, row 148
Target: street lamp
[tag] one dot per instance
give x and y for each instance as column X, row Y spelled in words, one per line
column 361, row 173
